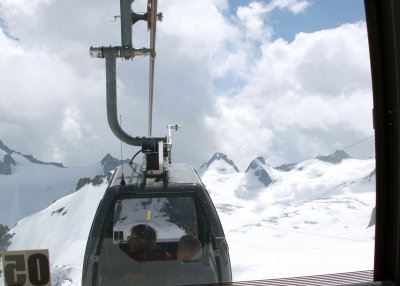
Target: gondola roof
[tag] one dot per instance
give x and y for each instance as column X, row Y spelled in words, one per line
column 175, row 173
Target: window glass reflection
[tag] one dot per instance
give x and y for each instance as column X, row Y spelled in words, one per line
column 156, row 241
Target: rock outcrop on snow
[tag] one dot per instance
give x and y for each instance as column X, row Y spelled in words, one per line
column 6, row 165
column 334, row 158
column 286, row 167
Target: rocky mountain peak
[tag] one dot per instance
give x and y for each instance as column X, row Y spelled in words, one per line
column 219, row 157
column 5, row 148
column 36, row 161
column 256, row 163
column 256, row 169
column 109, row 163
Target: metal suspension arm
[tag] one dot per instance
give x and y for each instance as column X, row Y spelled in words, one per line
column 112, row 114
column 128, row 18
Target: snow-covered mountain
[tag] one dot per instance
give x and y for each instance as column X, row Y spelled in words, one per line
column 8, row 164
column 63, row 228
column 309, row 218
column 109, row 163
column 257, row 174
column 28, row 185
column 220, row 163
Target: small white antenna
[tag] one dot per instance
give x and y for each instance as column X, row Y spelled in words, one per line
column 122, row 167
column 169, row 139
column 120, row 123
column 176, row 127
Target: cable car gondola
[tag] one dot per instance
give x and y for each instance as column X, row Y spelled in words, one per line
column 156, row 223
column 175, row 206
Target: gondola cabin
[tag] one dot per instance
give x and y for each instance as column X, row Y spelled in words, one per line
column 156, row 224
column 156, row 230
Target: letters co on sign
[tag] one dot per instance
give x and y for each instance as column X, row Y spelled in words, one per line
column 26, row 268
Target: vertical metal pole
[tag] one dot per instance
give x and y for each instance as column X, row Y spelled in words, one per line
column 153, row 20
column 151, row 85
column 384, row 44
column 126, row 28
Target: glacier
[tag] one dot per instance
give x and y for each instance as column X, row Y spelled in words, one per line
column 312, row 218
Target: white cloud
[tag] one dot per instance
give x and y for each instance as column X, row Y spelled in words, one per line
column 239, row 128
column 54, row 93
column 36, row 92
column 23, row 8
column 252, row 18
column 295, row 6
column 71, row 129
column 197, row 27
column 254, row 15
column 222, row 5
column 316, row 85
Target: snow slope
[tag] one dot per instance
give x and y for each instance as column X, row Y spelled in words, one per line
column 28, row 185
column 32, row 187
column 310, row 220
column 62, row 228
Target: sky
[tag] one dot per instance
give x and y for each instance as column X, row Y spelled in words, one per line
column 284, row 79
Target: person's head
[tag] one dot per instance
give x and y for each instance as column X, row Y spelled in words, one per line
column 142, row 238
column 189, row 248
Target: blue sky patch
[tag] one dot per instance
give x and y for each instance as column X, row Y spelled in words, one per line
column 319, row 15
column 5, row 30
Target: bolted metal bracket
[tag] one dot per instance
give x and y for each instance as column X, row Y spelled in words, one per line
column 100, row 52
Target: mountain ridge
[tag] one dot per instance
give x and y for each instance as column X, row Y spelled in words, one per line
column 256, row 170
column 8, row 161
column 335, row 158
column 109, row 163
column 220, row 158
column 24, row 179
column 320, row 200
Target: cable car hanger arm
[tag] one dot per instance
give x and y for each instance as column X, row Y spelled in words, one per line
column 112, row 114
column 128, row 18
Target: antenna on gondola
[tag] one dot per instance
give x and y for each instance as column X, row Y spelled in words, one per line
column 169, row 141
column 122, row 166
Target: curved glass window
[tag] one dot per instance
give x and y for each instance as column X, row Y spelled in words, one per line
column 151, row 241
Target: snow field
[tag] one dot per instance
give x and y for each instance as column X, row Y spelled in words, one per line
column 310, row 220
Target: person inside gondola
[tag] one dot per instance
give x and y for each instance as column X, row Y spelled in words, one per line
column 141, row 242
column 190, row 269
column 142, row 249
column 142, row 245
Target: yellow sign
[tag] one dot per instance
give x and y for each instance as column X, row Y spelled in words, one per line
column 148, row 214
